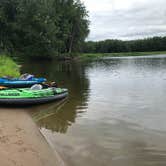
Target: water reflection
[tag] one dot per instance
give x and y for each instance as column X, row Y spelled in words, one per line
column 59, row 116
column 51, row 118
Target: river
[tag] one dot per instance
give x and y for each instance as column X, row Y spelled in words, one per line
column 115, row 114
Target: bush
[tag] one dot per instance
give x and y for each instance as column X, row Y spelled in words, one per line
column 8, row 67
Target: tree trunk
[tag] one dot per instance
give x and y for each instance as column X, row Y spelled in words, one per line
column 71, row 41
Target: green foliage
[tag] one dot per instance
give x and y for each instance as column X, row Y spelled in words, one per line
column 8, row 67
column 42, row 28
column 113, row 46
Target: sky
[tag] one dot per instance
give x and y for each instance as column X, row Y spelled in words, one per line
column 126, row 19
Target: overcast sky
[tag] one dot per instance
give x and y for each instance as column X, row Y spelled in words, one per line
column 126, row 19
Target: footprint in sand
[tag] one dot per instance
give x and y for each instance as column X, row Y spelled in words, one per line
column 19, row 142
column 4, row 139
column 18, row 129
column 25, row 149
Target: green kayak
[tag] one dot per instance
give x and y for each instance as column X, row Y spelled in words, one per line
column 24, row 96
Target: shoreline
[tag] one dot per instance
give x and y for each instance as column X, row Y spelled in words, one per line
column 90, row 56
column 93, row 56
column 21, row 142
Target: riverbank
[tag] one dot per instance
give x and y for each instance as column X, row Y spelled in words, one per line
column 89, row 56
column 21, row 143
column 86, row 56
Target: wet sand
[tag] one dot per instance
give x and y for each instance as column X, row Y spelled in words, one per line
column 21, row 143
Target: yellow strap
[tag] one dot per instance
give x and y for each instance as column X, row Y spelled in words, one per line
column 2, row 87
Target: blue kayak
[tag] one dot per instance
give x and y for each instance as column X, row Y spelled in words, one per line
column 23, row 81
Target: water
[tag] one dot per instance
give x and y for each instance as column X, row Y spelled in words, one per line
column 115, row 114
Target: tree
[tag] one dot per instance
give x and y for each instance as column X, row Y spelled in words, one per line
column 110, row 46
column 42, row 28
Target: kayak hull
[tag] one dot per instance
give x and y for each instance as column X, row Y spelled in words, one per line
column 20, row 83
column 32, row 101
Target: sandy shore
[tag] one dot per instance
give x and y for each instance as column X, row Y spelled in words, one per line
column 21, row 143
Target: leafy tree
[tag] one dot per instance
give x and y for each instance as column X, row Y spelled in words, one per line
column 42, row 28
column 110, row 46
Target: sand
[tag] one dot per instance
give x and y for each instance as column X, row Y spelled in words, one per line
column 21, row 143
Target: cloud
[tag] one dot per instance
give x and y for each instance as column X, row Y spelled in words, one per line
column 126, row 19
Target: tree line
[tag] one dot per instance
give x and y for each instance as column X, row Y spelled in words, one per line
column 43, row 28
column 113, row 46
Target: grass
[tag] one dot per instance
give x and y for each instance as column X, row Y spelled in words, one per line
column 8, row 67
column 85, row 56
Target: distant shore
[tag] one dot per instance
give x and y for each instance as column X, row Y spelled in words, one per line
column 21, row 143
column 86, row 56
